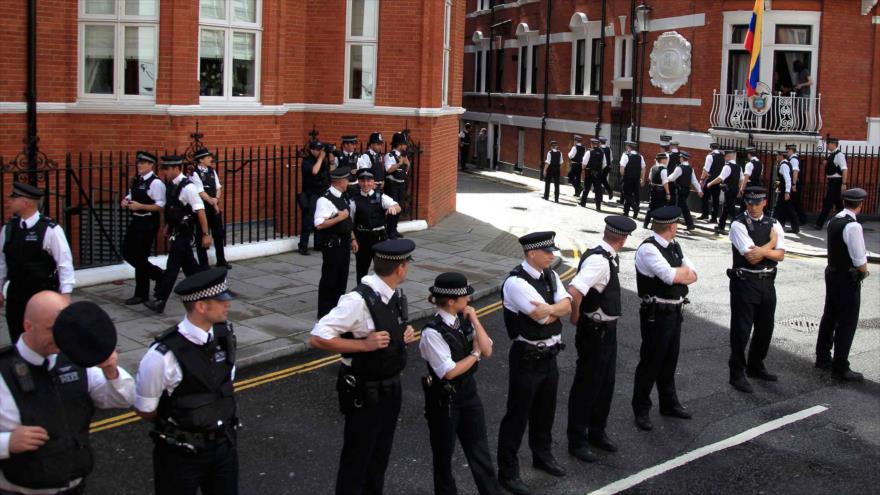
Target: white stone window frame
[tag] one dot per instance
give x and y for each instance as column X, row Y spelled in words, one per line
column 447, row 52
column 481, row 54
column 813, row 19
column 370, row 41
column 481, row 5
column 525, row 38
column 588, row 31
column 230, row 27
column 119, row 21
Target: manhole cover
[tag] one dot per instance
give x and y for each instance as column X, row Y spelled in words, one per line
column 803, row 324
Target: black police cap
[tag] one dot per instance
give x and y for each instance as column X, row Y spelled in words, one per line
column 207, row 284
column 619, row 224
column 24, row 190
column 85, row 334
column 666, row 214
column 451, row 284
column 201, row 153
column 350, row 139
column 394, row 249
column 553, row 143
column 539, row 240
column 714, row 146
column 684, row 155
column 603, row 139
column 754, row 194
column 340, row 173
column 365, row 173
column 397, row 139
column 855, row 194
column 315, row 144
column 376, row 138
column 145, row 156
column 661, row 156
column 171, row 161
column 832, row 140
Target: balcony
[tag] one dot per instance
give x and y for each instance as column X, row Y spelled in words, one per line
column 787, row 115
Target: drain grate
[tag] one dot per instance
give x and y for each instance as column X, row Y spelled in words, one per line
column 803, row 324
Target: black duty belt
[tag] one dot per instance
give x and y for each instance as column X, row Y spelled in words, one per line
column 664, row 307
column 142, row 215
column 399, row 181
column 750, row 275
column 532, row 352
column 374, row 230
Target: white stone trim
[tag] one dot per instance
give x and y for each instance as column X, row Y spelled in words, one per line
column 508, row 5
column 873, row 131
column 875, row 19
column 680, row 22
column 649, row 100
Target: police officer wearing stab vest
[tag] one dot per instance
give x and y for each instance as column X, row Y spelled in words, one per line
column 576, row 164
column 836, row 172
column 659, row 187
column 682, row 180
column 593, row 174
column 396, row 169
column 796, row 184
column 452, row 344
column 730, row 179
column 552, row 168
column 35, row 256
column 315, row 181
column 348, row 157
column 711, row 169
column 632, row 170
column 784, row 211
column 145, row 200
column 673, row 163
column 847, row 268
column 662, row 276
column 595, row 292
column 758, row 244
column 205, row 178
column 183, row 209
column 753, row 174
column 535, row 301
column 369, row 209
column 369, row 328
column 603, row 145
column 333, row 219
column 61, row 368
column 185, row 388
column 372, row 159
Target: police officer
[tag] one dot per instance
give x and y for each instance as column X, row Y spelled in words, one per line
column 182, row 204
column 603, row 145
column 674, row 161
column 730, row 178
column 185, row 388
column 659, row 186
column 315, row 181
column 784, row 211
column 145, row 200
column 333, row 219
column 464, row 146
column 711, row 169
column 552, row 168
column 205, row 178
column 683, row 179
column 535, row 301
column 595, row 292
column 797, row 200
column 632, row 170
column 51, row 380
column 348, row 157
column 369, row 208
column 835, row 174
column 758, row 243
column 452, row 344
column 369, row 328
column 35, row 256
column 372, row 159
column 396, row 169
column 662, row 276
column 576, row 164
column 593, row 174
column 753, row 174
column 847, row 267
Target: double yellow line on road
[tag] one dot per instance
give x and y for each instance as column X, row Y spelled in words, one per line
column 241, row 385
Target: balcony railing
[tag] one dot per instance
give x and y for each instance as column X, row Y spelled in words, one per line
column 787, row 114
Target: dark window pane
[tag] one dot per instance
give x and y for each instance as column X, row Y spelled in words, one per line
column 523, row 67
column 580, row 62
column 594, row 69
column 623, row 60
column 478, row 84
column 534, row 69
column 737, row 70
column 793, row 35
column 738, row 33
column 243, row 64
column 499, row 71
column 211, row 51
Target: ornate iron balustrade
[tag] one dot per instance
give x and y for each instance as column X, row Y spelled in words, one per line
column 787, row 114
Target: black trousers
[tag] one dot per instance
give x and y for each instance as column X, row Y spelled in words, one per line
column 711, row 201
column 631, row 197
column 213, row 470
column 658, row 358
column 531, row 401
column 797, row 201
column 605, row 184
column 753, row 305
column 593, row 388
column 833, row 199
column 574, row 177
column 464, row 419
column 180, row 256
column 592, row 180
column 658, row 199
column 17, row 297
column 728, row 211
column 218, row 234
column 139, row 238
column 336, row 254
column 785, row 213
column 307, row 226
column 464, row 153
column 397, row 192
column 840, row 318
column 681, row 199
column 552, row 177
column 369, row 435
column 364, row 255
column 79, row 489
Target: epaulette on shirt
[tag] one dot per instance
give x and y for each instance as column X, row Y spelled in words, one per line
column 161, row 347
column 52, row 223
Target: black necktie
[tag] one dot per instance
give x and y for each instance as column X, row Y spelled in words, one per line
column 23, row 225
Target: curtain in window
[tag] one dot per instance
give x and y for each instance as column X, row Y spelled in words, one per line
column 100, row 6
column 98, row 52
column 792, row 35
column 140, row 7
column 140, row 60
column 363, row 18
column 212, row 9
column 211, row 53
column 243, row 64
column 738, row 68
column 362, row 63
column 244, row 10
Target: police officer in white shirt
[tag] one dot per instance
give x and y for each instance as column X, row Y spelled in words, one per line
column 662, row 276
column 632, row 173
column 595, row 292
column 711, row 168
column 730, row 179
column 552, row 167
column 784, row 211
column 396, row 170
column 576, row 164
column 205, row 177
column 797, row 200
column 682, row 180
column 836, row 172
column 847, row 268
column 334, row 219
column 535, row 301
column 145, row 200
column 372, row 159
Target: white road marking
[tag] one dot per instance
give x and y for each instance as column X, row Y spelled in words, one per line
column 646, row 474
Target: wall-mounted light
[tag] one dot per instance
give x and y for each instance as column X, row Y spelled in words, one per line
column 643, row 18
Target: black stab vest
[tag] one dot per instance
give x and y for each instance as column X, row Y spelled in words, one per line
column 732, row 181
column 594, row 160
column 315, row 183
column 140, row 189
column 656, row 177
column 758, row 172
column 59, row 402
column 633, row 168
column 653, row 286
column 607, row 151
column 30, row 267
column 343, row 228
column 398, row 175
column 579, row 152
column 368, row 213
column 378, row 167
column 684, row 180
column 609, row 299
column 674, row 161
column 759, row 231
column 460, row 342
column 555, row 159
column 838, row 254
column 781, row 180
column 208, row 182
column 349, row 161
column 716, row 166
column 384, row 363
column 522, row 324
column 176, row 213
column 204, row 400
column 831, row 168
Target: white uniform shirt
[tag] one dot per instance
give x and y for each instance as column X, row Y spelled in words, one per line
column 189, row 196
column 351, row 314
column 561, row 160
column 624, row 160
column 742, row 242
column 603, row 147
column 840, row 161
column 434, row 348
column 573, row 152
column 854, row 238
column 750, row 168
column 364, row 160
column 707, row 163
column 663, row 173
column 651, row 263
column 595, row 273
column 786, row 177
column 324, row 209
column 387, row 202
column 156, row 192
column 727, row 170
column 677, row 173
column 195, row 179
column 55, row 244
column 160, row 373
column 795, row 163
column 105, row 394
column 391, row 159
column 518, row 297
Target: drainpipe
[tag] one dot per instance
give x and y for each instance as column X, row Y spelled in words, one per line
column 546, row 88
column 601, row 72
column 634, row 71
column 31, row 91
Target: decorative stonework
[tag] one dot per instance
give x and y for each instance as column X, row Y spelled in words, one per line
column 670, row 62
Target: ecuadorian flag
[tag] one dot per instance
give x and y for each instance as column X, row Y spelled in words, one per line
column 753, row 46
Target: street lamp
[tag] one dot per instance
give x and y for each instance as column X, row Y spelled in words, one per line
column 643, row 17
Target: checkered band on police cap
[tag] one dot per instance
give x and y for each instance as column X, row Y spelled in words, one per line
column 209, row 293
column 539, row 245
column 444, row 291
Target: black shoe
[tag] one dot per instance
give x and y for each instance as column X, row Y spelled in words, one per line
column 224, row 265
column 131, row 301
column 677, row 411
column 823, row 364
column 703, row 218
column 583, row 454
column 762, row 374
column 158, row 305
column 719, row 230
column 515, row 485
column 303, row 251
column 643, row 422
column 817, row 227
column 549, row 466
column 740, row 383
column 601, row 441
column 847, row 375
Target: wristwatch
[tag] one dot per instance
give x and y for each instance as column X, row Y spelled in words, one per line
column 476, row 354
